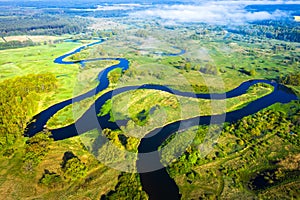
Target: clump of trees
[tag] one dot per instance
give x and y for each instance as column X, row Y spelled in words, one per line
column 51, row 179
column 290, row 79
column 115, row 75
column 141, row 33
column 36, row 148
column 27, row 43
column 253, row 127
column 16, row 44
column 18, row 100
column 191, row 157
column 128, row 187
column 198, row 88
column 209, row 69
column 73, row 167
column 120, row 140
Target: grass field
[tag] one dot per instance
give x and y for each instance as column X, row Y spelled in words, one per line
column 72, row 80
column 39, row 59
column 34, row 38
column 169, row 108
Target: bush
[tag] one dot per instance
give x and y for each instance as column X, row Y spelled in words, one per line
column 50, row 179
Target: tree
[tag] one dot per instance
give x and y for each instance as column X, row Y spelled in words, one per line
column 72, row 167
column 36, row 148
column 187, row 66
column 252, row 72
column 115, row 75
column 50, row 179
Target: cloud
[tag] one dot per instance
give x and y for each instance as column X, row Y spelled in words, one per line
column 128, row 6
column 214, row 12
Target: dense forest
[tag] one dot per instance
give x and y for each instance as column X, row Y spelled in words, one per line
column 41, row 24
column 19, row 99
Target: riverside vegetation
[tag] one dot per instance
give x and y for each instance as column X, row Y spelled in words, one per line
column 254, row 157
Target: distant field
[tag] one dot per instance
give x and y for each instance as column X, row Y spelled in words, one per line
column 105, row 24
column 34, row 38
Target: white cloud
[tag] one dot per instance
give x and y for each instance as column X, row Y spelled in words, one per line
column 216, row 12
column 128, row 6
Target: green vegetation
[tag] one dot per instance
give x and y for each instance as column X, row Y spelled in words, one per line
column 41, row 25
column 257, row 155
column 71, row 80
column 114, row 76
column 72, row 167
column 19, row 100
column 49, row 177
column 145, row 108
column 291, row 79
column 36, row 149
column 128, row 187
column 272, row 29
column 51, row 180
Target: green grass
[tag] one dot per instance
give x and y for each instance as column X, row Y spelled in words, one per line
column 72, row 80
column 39, row 59
column 169, row 108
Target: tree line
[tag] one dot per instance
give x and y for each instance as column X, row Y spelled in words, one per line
column 41, row 24
column 280, row 30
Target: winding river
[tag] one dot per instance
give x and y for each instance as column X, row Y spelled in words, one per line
column 157, row 184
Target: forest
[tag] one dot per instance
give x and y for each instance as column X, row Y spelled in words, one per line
column 19, row 100
column 41, row 24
